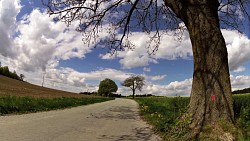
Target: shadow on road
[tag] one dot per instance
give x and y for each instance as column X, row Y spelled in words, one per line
column 124, row 113
column 121, row 112
column 140, row 134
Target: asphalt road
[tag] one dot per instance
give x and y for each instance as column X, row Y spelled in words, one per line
column 116, row 120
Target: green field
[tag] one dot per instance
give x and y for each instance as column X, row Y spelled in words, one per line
column 21, row 97
column 163, row 113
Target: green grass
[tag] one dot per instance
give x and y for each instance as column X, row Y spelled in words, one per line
column 163, row 113
column 15, row 104
column 242, row 112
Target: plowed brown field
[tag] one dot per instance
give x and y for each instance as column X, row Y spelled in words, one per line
column 12, row 87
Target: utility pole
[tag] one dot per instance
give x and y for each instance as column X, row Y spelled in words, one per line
column 43, row 78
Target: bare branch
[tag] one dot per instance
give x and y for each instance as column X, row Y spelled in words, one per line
column 120, row 18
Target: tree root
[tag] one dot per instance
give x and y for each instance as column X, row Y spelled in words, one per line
column 222, row 131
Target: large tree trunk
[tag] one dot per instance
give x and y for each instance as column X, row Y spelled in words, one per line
column 211, row 103
column 211, row 99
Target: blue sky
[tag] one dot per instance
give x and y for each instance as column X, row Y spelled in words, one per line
column 33, row 44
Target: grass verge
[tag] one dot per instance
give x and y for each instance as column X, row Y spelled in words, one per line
column 163, row 113
column 16, row 105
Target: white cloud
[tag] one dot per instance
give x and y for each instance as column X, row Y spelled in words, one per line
column 75, row 79
column 72, row 80
column 158, row 77
column 177, row 88
column 182, row 88
column 170, row 49
column 239, row 69
column 42, row 41
column 240, row 82
column 36, row 44
column 238, row 49
column 146, row 69
column 36, row 41
column 132, row 61
column 8, row 12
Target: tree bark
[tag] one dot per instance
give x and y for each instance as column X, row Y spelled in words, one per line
column 211, row 102
column 133, row 93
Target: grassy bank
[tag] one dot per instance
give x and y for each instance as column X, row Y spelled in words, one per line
column 163, row 113
column 15, row 104
column 242, row 112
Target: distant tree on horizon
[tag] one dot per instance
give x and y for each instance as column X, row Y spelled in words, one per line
column 242, row 91
column 134, row 82
column 106, row 87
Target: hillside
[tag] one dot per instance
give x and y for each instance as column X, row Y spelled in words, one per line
column 14, row 87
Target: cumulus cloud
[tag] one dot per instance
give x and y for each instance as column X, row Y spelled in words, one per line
column 36, row 40
column 80, row 79
column 61, row 83
column 42, row 41
column 170, row 49
column 176, row 88
column 8, row 12
column 240, row 82
column 238, row 49
column 134, row 58
column 183, row 88
column 158, row 77
column 72, row 80
column 37, row 43
column 239, row 69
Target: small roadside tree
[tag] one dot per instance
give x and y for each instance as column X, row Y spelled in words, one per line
column 5, row 71
column 21, row 77
column 134, row 82
column 106, row 87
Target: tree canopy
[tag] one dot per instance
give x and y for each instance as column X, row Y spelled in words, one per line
column 134, row 82
column 106, row 87
column 120, row 18
column 6, row 72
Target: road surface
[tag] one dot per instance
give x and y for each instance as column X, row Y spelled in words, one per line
column 116, row 120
